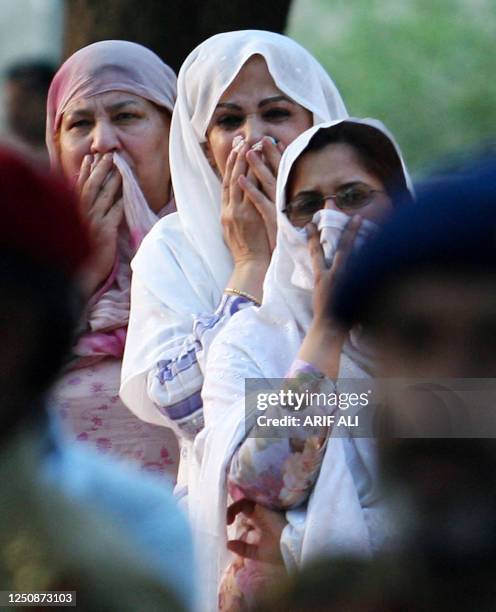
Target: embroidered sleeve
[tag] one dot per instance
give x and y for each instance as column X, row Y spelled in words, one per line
column 175, row 384
column 280, row 472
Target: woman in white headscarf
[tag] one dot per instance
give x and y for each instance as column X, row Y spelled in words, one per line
column 242, row 98
column 328, row 175
column 108, row 119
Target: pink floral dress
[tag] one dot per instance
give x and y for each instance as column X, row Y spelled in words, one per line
column 279, row 474
column 88, row 404
column 87, row 396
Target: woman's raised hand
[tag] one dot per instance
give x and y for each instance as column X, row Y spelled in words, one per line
column 244, row 228
column 264, row 164
column 99, row 189
column 324, row 276
column 248, row 213
column 265, row 526
column 324, row 340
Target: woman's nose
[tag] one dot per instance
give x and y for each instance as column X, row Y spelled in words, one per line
column 105, row 138
column 330, row 203
column 253, row 130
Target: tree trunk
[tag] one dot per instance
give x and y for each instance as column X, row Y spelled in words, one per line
column 171, row 28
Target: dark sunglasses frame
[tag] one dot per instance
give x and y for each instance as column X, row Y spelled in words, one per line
column 339, row 198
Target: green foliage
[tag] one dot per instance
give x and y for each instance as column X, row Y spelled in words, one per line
column 424, row 67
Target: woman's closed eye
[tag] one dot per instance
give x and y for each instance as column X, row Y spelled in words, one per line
column 233, row 121
column 79, row 124
column 230, row 121
column 275, row 115
column 126, row 116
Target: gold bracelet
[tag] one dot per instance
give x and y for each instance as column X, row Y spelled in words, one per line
column 243, row 294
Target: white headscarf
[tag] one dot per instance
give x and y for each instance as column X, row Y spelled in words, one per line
column 183, row 265
column 285, row 304
column 342, row 514
column 112, row 65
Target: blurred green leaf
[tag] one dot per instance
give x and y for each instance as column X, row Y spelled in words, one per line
column 424, row 67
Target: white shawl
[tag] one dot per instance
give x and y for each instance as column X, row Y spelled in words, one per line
column 343, row 513
column 183, row 265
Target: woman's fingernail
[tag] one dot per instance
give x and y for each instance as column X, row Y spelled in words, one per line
column 238, row 142
column 257, row 146
column 94, row 162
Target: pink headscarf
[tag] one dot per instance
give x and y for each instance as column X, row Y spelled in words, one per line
column 112, row 65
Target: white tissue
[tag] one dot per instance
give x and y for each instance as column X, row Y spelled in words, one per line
column 331, row 224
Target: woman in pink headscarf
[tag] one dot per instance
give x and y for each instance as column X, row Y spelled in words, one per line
column 108, row 120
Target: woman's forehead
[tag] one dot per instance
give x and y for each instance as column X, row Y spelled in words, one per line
column 252, row 81
column 105, row 101
column 336, row 160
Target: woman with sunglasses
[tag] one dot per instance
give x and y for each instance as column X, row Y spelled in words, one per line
column 336, row 182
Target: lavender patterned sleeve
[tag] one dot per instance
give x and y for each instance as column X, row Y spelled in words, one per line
column 279, row 472
column 175, row 384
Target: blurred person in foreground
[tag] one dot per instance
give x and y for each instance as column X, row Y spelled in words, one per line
column 346, row 585
column 26, row 86
column 68, row 520
column 425, row 292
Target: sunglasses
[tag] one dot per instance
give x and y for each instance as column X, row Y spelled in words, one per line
column 350, row 197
